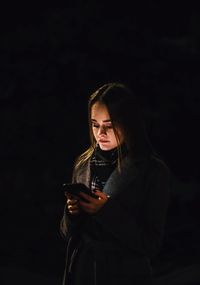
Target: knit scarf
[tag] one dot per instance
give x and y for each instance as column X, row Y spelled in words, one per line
column 102, row 164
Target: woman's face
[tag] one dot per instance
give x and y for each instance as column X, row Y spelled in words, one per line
column 102, row 127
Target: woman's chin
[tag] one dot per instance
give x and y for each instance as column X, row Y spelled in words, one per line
column 106, row 147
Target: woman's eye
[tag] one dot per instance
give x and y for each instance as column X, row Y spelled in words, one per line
column 104, row 126
column 95, row 126
column 108, row 126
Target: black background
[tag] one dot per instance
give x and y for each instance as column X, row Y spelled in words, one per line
column 51, row 61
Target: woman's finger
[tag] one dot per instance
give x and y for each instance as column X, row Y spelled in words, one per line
column 101, row 194
column 72, row 202
column 73, row 208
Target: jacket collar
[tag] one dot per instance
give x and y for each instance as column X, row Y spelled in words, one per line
column 119, row 180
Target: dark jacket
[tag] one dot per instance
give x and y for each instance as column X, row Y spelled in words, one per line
column 116, row 244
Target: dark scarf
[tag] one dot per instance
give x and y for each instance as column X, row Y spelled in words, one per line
column 102, row 165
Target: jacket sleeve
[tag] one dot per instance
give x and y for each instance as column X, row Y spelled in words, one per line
column 144, row 232
column 70, row 224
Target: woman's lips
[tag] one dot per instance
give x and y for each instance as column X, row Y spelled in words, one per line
column 103, row 141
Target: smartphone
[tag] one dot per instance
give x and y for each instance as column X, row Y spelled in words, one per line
column 76, row 188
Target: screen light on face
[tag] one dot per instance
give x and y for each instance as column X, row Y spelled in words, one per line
column 102, row 127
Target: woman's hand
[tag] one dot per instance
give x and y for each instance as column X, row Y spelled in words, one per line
column 93, row 205
column 72, row 204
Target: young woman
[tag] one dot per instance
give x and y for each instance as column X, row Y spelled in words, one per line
column 111, row 240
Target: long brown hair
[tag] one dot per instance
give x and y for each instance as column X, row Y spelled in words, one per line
column 125, row 113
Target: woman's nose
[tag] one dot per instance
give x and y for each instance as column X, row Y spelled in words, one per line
column 102, row 130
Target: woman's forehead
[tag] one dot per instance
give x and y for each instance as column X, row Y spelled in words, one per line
column 99, row 109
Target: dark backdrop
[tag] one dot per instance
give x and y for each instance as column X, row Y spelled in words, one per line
column 51, row 61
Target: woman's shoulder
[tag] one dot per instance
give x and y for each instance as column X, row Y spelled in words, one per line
column 150, row 164
column 82, row 165
column 81, row 169
column 83, row 160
